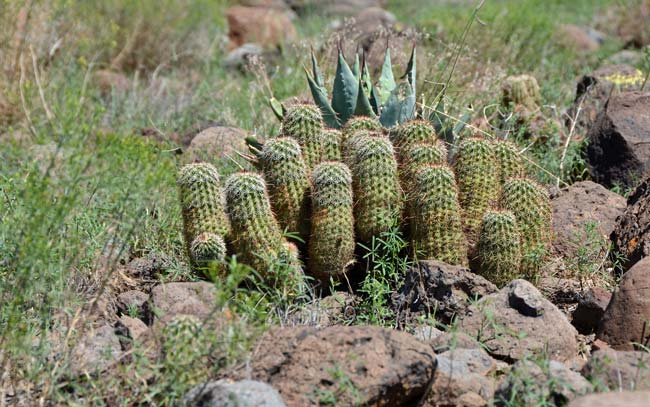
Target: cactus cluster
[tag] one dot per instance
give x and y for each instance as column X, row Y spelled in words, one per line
column 499, row 247
column 303, row 123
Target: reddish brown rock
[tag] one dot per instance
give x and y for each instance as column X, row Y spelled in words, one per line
column 627, row 318
column 195, row 299
column 618, row 370
column 618, row 152
column 613, row 399
column 267, row 27
column 580, row 39
column 631, row 236
column 576, row 208
column 361, row 365
column 590, row 310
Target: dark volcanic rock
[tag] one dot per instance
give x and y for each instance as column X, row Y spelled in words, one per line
column 590, row 310
column 631, row 236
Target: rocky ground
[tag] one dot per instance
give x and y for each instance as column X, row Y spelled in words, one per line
column 99, row 305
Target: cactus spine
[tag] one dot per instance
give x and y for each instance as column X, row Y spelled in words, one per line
column 521, row 90
column 256, row 235
column 411, row 133
column 417, row 155
column 331, row 246
column 530, row 204
column 509, row 162
column 288, row 183
column 376, row 187
column 304, row 123
column 357, row 123
column 499, row 247
column 207, row 252
column 478, row 186
column 437, row 231
column 332, row 140
column 203, row 210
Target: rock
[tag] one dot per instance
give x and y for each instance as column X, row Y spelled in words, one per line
column 631, row 28
column 594, row 89
column 625, row 57
column 618, row 152
column 627, row 318
column 132, row 303
column 613, row 399
column 436, row 287
column 130, row 330
column 580, row 39
column 631, row 236
column 590, row 310
column 216, row 142
column 619, row 370
column 517, row 322
column 560, row 291
column 169, row 300
column 266, row 27
column 427, row 333
column 331, row 310
column 336, row 7
column 344, row 365
column 148, row 268
column 453, row 340
column 98, row 350
column 240, row 57
column 110, row 81
column 533, row 384
column 224, row 393
column 578, row 206
column 462, row 379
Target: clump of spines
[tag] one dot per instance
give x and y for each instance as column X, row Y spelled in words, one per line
column 437, row 228
column 478, row 186
column 357, row 123
column 332, row 242
column 208, row 252
column 332, row 145
column 530, row 204
column 410, row 133
column 509, row 162
column 256, row 235
column 304, row 123
column 202, row 205
column 521, row 90
column 377, row 193
column 499, row 247
column 286, row 177
column 350, row 145
column 420, row 154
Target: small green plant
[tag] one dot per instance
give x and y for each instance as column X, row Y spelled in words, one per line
column 591, row 256
column 499, row 247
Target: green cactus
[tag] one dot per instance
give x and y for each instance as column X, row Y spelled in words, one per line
column 255, row 235
column 478, row 186
column 202, row 202
column 332, row 140
column 410, row 133
column 530, row 204
column 207, row 253
column 378, row 196
column 521, row 90
column 286, row 177
column 499, row 247
column 436, row 217
column 331, row 246
column 420, row 154
column 350, row 145
column 357, row 123
column 509, row 162
column 304, row 123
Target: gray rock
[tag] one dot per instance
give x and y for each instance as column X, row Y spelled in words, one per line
column 453, row 340
column 169, row 300
column 613, row 399
column 619, row 370
column 216, row 142
column 511, row 332
column 132, row 301
column 96, row 351
column 224, row 393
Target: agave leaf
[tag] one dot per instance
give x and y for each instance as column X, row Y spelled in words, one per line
column 386, row 79
column 374, row 99
column 316, row 73
column 356, row 67
column 277, row 108
column 410, row 70
column 320, row 98
column 344, row 95
column 365, row 77
column 363, row 107
column 407, row 107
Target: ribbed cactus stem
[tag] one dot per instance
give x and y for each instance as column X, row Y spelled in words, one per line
column 202, row 203
column 530, row 204
column 207, row 253
column 410, row 133
column 420, row 154
column 436, row 217
column 521, row 90
column 332, row 145
column 357, row 123
column 304, row 123
column 377, row 193
column 478, row 186
column 509, row 162
column 499, row 247
column 351, row 145
column 286, row 177
column 331, row 246
column 256, row 235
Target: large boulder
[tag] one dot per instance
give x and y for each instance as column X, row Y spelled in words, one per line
column 631, row 236
column 463, row 378
column 627, row 319
column 344, row 365
column 576, row 208
column 433, row 287
column 533, row 384
column 594, row 89
column 224, row 393
column 619, row 370
column 268, row 27
column 518, row 322
column 618, row 153
column 613, row 399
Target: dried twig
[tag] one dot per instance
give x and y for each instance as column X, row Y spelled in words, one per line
column 574, row 121
column 41, row 93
